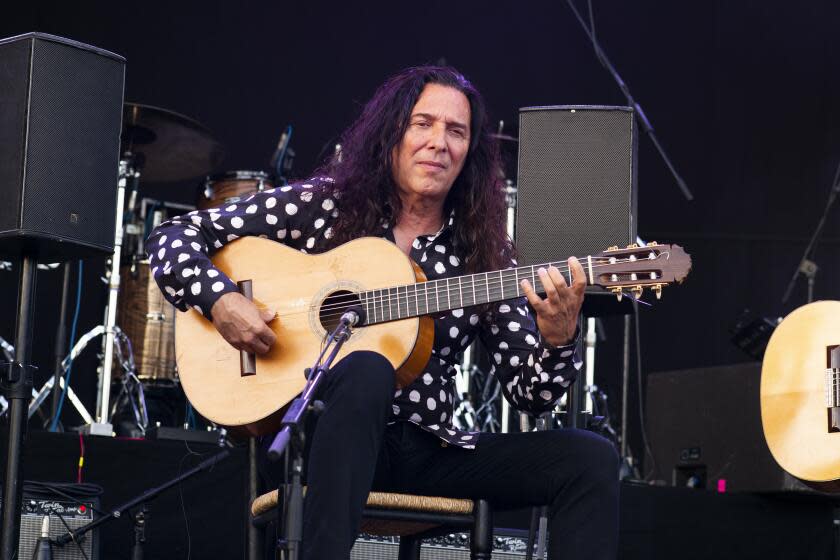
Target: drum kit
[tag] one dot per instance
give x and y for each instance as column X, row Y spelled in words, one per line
column 138, row 334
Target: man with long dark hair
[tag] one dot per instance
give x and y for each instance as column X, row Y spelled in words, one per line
column 420, row 168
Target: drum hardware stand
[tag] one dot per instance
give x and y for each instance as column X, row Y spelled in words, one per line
column 292, row 434
column 40, row 396
column 131, row 387
column 16, row 382
column 60, row 343
column 807, row 267
column 141, row 500
column 138, row 403
column 102, row 425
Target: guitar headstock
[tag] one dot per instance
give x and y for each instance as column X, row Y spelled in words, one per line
column 636, row 268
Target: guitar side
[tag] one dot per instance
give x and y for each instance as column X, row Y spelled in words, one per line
column 294, row 284
column 793, row 395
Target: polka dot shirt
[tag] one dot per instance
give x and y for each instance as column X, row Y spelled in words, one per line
column 533, row 376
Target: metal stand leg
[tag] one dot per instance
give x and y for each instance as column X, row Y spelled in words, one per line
column 17, row 385
column 409, row 547
column 255, row 537
column 481, row 541
column 60, row 338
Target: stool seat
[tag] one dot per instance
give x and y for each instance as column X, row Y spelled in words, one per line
column 410, row 517
column 384, row 500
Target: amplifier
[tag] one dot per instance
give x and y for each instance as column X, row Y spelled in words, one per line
column 508, row 544
column 705, row 431
column 33, row 510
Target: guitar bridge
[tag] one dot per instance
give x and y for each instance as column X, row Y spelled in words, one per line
column 832, row 388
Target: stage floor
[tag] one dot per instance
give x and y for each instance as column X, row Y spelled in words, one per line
column 656, row 522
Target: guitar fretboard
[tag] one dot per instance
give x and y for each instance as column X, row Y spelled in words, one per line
column 436, row 296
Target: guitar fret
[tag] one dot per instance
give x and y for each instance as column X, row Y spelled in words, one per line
column 416, row 302
column 461, row 292
column 373, row 303
column 390, row 306
column 448, row 302
column 367, row 307
column 487, row 285
column 501, row 284
column 426, row 293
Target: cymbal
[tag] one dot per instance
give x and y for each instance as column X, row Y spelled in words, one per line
column 504, row 137
column 169, row 146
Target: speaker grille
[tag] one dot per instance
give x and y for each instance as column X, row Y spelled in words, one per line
column 14, row 68
column 576, row 184
column 61, row 111
column 33, row 511
column 74, row 126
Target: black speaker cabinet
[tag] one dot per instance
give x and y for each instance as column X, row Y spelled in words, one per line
column 704, row 428
column 60, row 119
column 576, row 187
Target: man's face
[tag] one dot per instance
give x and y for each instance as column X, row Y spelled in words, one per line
column 431, row 154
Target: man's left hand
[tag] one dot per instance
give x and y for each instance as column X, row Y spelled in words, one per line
column 557, row 314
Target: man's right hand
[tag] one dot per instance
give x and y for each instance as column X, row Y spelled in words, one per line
column 243, row 325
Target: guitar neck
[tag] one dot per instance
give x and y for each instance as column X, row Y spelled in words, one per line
column 446, row 294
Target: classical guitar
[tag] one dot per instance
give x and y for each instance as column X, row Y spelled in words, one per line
column 310, row 292
column 800, row 394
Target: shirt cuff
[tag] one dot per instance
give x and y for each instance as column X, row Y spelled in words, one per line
column 551, row 351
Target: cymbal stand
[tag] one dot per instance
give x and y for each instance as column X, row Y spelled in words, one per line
column 132, row 387
column 102, row 425
column 127, row 363
column 292, row 434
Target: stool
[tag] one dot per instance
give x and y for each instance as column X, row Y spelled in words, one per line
column 412, row 518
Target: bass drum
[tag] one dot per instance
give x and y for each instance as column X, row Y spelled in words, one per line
column 233, row 186
column 148, row 320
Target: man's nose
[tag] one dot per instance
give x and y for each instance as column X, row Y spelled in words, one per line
column 437, row 137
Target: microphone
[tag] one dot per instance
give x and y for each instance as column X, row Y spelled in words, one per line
column 354, row 316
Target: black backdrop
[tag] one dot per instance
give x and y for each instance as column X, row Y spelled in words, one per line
column 744, row 96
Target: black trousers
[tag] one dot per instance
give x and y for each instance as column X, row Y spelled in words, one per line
column 352, row 450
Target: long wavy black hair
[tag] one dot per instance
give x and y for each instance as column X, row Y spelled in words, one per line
column 364, row 178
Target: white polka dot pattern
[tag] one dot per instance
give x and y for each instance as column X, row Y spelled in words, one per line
column 302, row 216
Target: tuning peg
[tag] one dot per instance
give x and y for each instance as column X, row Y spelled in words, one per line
column 618, row 293
column 613, row 248
column 637, row 291
column 633, row 246
column 652, row 244
column 657, row 289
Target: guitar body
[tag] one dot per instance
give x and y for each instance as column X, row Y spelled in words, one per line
column 794, row 411
column 295, row 285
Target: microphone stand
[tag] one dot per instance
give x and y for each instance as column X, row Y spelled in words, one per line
column 643, row 120
column 807, row 266
column 292, row 433
column 119, row 511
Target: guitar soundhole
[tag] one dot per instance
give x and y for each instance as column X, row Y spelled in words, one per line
column 334, row 305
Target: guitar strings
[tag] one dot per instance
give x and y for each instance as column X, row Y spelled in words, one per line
column 495, row 280
column 404, row 299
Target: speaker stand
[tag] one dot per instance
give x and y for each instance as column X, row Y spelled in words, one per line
column 17, row 387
